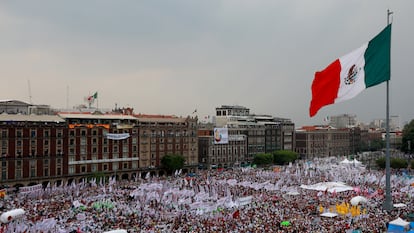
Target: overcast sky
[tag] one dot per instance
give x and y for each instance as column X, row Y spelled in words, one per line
column 174, row 56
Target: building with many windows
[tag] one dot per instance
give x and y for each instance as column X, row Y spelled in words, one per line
column 232, row 110
column 265, row 133
column 279, row 132
column 162, row 135
column 322, row 141
column 343, row 121
column 231, row 153
column 69, row 146
column 33, row 148
column 248, row 135
column 394, row 124
column 101, row 143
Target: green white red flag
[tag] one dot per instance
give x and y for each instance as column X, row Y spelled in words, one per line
column 349, row 75
column 93, row 97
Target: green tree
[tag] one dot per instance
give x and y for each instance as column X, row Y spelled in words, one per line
column 395, row 163
column 263, row 159
column 364, row 146
column 282, row 157
column 376, row 145
column 408, row 138
column 172, row 162
column 398, row 163
column 97, row 176
column 380, row 162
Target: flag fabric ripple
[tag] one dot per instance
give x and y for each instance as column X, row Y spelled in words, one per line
column 349, row 75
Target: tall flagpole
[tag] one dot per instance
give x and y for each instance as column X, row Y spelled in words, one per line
column 388, row 199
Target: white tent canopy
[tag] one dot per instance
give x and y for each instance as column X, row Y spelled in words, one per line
column 329, row 186
column 357, row 200
column 116, row 231
column 400, row 222
column 346, row 161
column 329, row 215
column 400, row 205
column 356, row 162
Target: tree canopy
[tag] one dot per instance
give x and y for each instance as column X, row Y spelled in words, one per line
column 394, row 163
column 263, row 159
column 376, row 144
column 282, row 157
column 408, row 138
column 173, row 162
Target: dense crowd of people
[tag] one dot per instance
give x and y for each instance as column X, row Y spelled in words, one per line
column 240, row 200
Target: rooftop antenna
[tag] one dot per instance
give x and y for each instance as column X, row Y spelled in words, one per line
column 67, row 97
column 30, row 91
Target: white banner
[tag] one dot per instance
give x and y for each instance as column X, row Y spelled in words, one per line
column 117, row 136
column 244, row 200
column 237, row 137
column 29, row 189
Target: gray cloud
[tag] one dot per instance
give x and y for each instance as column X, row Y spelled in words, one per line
column 170, row 57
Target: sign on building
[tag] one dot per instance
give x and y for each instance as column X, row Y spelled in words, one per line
column 221, row 136
column 117, row 136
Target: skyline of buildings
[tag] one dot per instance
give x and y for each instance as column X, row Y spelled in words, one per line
column 42, row 145
column 341, row 120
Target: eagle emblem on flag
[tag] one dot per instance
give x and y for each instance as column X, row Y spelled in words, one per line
column 352, row 75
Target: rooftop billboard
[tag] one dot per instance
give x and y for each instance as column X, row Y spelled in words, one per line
column 221, row 136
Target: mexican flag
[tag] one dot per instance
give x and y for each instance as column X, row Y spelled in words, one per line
column 349, row 75
column 93, row 97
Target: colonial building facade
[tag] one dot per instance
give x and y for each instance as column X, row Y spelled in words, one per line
column 161, row 135
column 33, row 148
column 322, row 141
column 70, row 146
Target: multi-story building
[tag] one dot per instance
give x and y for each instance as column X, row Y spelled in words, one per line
column 279, row 132
column 343, row 121
column 162, row 135
column 14, row 107
column 70, row 146
column 20, row 107
column 230, row 110
column 322, row 141
column 101, row 143
column 394, row 123
column 265, row 133
column 378, row 124
column 230, row 153
column 355, row 139
column 33, row 148
column 374, row 135
column 257, row 133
